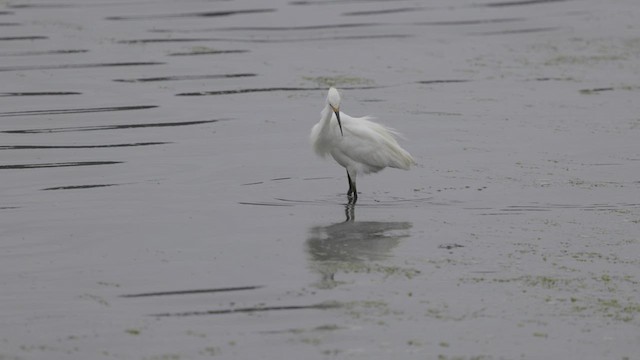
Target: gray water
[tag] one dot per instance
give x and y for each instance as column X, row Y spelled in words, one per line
column 159, row 198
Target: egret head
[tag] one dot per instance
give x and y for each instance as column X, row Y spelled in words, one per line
column 333, row 98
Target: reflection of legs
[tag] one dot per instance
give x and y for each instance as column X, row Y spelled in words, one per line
column 350, row 211
column 352, row 188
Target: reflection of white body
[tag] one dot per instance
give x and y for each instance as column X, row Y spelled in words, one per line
column 358, row 144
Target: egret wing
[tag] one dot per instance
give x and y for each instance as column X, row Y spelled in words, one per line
column 373, row 146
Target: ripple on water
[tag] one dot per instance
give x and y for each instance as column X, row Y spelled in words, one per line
column 374, row 203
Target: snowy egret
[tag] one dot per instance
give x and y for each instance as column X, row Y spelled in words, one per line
column 358, row 144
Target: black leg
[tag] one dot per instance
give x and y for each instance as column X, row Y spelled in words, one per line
column 352, row 193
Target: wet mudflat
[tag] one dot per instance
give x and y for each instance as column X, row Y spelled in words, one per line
column 159, row 198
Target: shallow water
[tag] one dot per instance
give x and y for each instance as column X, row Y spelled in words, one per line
column 160, row 200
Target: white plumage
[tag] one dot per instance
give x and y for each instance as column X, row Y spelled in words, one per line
column 358, row 144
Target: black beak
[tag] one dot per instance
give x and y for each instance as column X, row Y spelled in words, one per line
column 339, row 123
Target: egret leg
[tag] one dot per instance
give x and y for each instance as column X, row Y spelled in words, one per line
column 350, row 184
column 352, row 188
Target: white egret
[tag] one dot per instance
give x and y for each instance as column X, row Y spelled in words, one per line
column 358, row 144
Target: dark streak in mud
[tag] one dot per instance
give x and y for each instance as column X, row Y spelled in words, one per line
column 336, row 2
column 75, row 111
column 6, row 13
column 604, row 164
column 191, row 15
column 245, row 91
column 290, row 28
column 469, row 22
column 174, row 40
column 596, row 90
column 499, row 214
column 450, row 246
column 77, row 66
column 40, row 6
column 184, row 77
column 351, row 37
column 109, row 127
column 519, row 208
column 208, row 52
column 381, row 12
column 190, row 292
column 183, row 40
column 553, row 79
column 53, row 165
column 45, row 52
column 76, row 187
column 78, row 4
column 9, row 24
column 15, row 38
column 322, row 306
column 429, row 82
column 36, row 147
column 517, row 31
column 520, row 3
column 40, row 93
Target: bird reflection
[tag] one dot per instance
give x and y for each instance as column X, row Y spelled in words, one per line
column 350, row 211
column 348, row 246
